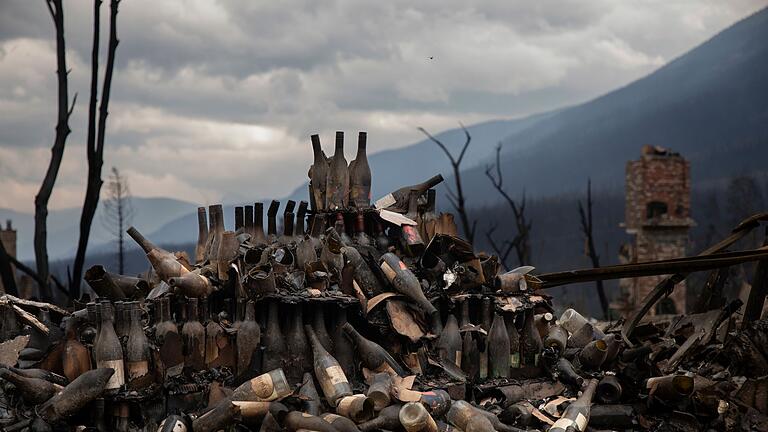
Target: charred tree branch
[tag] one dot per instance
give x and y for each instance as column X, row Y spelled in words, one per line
column 457, row 199
column 521, row 241
column 587, row 230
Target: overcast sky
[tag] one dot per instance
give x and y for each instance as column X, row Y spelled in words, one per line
column 215, row 100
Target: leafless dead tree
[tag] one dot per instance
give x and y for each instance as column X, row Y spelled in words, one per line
column 95, row 139
column 118, row 212
column 520, row 243
column 457, row 199
column 586, row 229
column 57, row 151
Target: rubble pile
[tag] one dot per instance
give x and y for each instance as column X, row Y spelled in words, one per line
column 360, row 317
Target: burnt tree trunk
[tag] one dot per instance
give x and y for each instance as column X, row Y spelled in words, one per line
column 57, row 151
column 587, row 228
column 95, row 147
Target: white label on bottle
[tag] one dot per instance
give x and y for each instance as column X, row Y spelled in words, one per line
column 389, row 272
column 514, row 360
column 385, row 201
column 137, row 369
column 483, row 365
column 458, row 358
column 563, row 424
column 118, row 378
column 345, row 404
column 581, row 421
column 263, row 387
column 336, row 375
column 177, row 426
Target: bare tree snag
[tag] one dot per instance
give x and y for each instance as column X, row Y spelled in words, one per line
column 7, row 274
column 457, row 199
column 521, row 242
column 57, row 151
column 95, row 147
column 118, row 212
column 587, row 229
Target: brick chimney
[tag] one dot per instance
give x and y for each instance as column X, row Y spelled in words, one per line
column 658, row 217
column 8, row 237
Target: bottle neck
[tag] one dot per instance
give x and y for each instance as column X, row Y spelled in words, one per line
column 258, row 217
column 192, row 310
column 272, row 319
column 339, row 150
column 250, row 312
column 298, row 320
column 361, row 145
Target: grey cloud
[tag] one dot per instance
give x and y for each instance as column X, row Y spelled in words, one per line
column 216, row 77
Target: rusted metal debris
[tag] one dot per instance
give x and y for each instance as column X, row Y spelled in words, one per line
column 355, row 317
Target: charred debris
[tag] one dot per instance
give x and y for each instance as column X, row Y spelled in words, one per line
column 355, row 316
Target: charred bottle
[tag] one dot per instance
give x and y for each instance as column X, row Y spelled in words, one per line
column 380, row 390
column 470, row 357
column 318, row 175
column 274, row 206
column 388, row 419
column 415, row 418
column 576, row 415
column 371, row 354
column 514, row 342
column 340, row 423
column 193, row 338
column 202, row 235
column 498, row 349
column 75, row 359
column 298, row 347
column 343, row 350
column 33, row 390
column 258, row 224
column 165, row 263
column 329, row 373
column 248, row 339
column 337, row 193
column 449, row 344
column 301, row 216
column 275, row 349
column 310, row 400
column 405, row 282
column 298, row 421
column 137, row 354
column 213, row 332
column 360, row 175
column 398, row 200
column 267, row 387
column 163, row 321
column 76, row 395
column 108, row 352
column 318, row 324
column 531, row 340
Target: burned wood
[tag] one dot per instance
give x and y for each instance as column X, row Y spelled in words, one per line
column 758, row 291
column 653, row 268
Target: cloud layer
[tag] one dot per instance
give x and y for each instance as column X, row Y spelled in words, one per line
column 215, row 101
